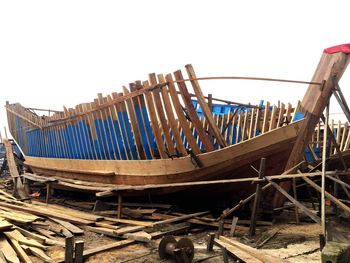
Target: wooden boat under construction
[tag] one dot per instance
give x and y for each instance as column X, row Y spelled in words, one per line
column 157, row 132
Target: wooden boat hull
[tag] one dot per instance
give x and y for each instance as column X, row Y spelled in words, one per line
column 230, row 162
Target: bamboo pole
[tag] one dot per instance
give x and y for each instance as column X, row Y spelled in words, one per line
column 323, row 177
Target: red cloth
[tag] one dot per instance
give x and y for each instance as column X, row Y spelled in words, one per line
column 345, row 48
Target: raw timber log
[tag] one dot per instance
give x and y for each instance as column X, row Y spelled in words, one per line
column 331, row 67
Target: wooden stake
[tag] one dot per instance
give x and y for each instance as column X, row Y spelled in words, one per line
column 69, row 249
column 323, row 178
column 233, row 226
column 79, row 248
column 257, row 198
column 48, row 192
column 120, row 203
column 296, row 198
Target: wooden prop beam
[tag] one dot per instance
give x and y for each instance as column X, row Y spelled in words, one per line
column 204, row 106
column 331, row 67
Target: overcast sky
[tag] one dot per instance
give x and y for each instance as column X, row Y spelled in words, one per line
column 55, row 53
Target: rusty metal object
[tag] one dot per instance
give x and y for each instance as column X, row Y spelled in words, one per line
column 181, row 251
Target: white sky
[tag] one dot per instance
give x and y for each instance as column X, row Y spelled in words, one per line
column 55, row 53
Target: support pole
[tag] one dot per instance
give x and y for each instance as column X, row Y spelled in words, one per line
column 48, row 192
column 323, row 178
column 257, row 198
column 120, row 203
column 296, row 198
column 69, row 249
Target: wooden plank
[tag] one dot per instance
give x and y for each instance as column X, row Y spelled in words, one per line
column 113, row 245
column 328, row 195
column 16, row 246
column 72, row 228
column 38, row 253
column 192, row 112
column 2, row 256
column 161, row 116
column 204, row 106
column 154, row 121
column 180, row 115
column 9, row 253
column 171, row 117
column 4, row 225
column 141, row 236
column 262, row 256
column 42, row 212
column 135, row 126
column 242, row 255
column 19, row 188
column 296, row 203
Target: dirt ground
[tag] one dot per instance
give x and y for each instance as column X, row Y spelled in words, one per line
column 295, row 243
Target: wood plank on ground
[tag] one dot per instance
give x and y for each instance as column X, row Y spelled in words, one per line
column 72, row 228
column 9, row 253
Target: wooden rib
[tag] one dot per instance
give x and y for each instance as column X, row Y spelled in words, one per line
column 266, row 117
column 103, row 130
column 201, row 100
column 239, row 127
column 332, row 134
column 161, row 115
column 135, row 127
column 347, row 142
column 180, row 115
column 338, row 134
column 122, row 109
column 170, row 114
column 105, row 115
column 90, row 122
column 273, row 120
column 280, row 116
column 114, row 117
column 245, row 125
column 154, row 121
column 344, row 134
column 257, row 122
column 251, row 125
column 88, row 143
column 192, row 112
column 233, row 122
column 97, row 129
column 142, row 103
column 288, row 113
column 72, row 112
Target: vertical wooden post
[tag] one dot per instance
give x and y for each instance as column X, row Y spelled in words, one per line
column 257, row 198
column 323, row 179
column 296, row 198
column 225, row 255
column 120, row 203
column 210, row 243
column 79, row 249
column 233, row 226
column 220, row 229
column 69, row 249
column 48, row 192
